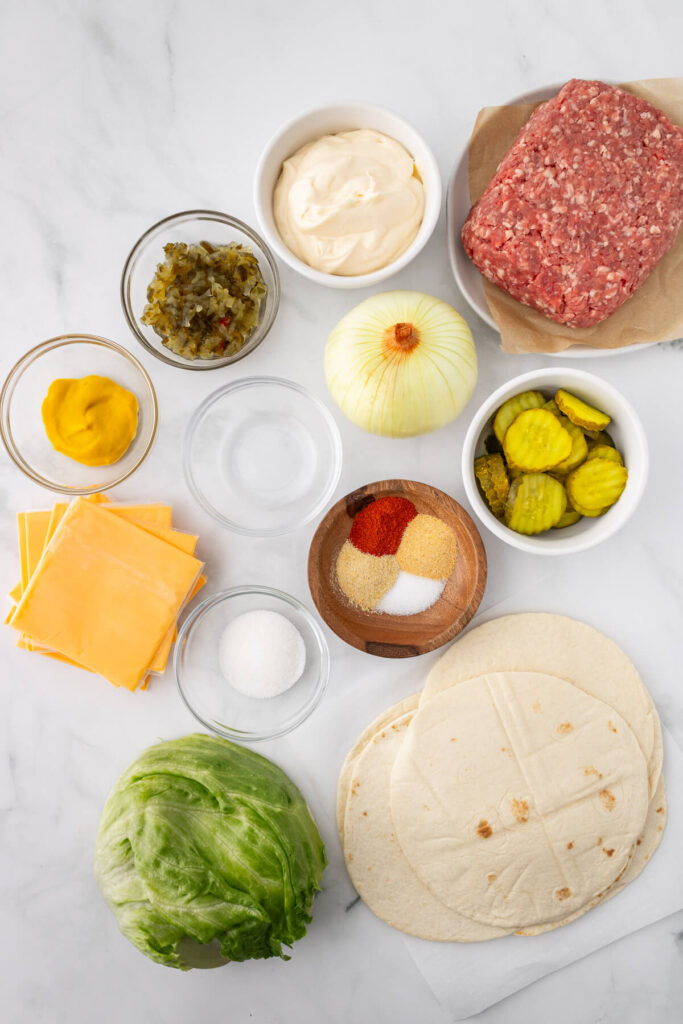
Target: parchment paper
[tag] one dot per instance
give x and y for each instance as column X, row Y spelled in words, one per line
column 468, row 977
column 653, row 313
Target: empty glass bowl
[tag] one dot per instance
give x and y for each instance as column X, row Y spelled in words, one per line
column 72, row 355
column 193, row 226
column 262, row 456
column 209, row 696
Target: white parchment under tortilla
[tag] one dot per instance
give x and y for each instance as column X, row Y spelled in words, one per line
column 466, row 978
column 653, row 313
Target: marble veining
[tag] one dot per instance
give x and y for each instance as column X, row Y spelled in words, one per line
column 113, row 115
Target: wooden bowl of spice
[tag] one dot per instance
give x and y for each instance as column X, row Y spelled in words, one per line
column 397, row 568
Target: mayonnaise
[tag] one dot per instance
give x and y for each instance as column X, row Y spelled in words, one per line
column 350, row 203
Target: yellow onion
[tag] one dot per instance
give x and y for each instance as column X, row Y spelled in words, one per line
column 401, row 363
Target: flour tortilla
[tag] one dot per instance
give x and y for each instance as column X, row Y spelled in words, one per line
column 375, row 862
column 397, row 896
column 518, row 798
column 539, row 642
column 646, row 844
column 343, row 785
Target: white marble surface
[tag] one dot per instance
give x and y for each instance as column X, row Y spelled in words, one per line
column 112, row 115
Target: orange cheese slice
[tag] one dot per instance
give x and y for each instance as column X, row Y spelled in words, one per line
column 36, row 524
column 39, row 526
column 106, row 593
column 156, row 515
column 36, row 530
column 31, row 531
column 186, row 542
column 160, row 659
column 21, row 536
column 55, row 516
column 58, row 510
column 147, row 516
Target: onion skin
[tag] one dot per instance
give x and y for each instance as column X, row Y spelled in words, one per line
column 401, row 363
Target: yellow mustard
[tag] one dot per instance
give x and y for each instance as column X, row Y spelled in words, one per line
column 91, row 419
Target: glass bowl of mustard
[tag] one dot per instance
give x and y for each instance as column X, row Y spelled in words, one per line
column 158, row 281
column 87, row 377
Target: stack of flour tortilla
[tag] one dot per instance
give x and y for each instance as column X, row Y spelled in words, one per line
column 520, row 789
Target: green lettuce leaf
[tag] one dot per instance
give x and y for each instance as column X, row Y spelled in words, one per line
column 206, row 840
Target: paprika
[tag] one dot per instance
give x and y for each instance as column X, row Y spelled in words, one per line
column 379, row 527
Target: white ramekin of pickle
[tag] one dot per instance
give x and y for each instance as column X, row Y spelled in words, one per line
column 555, row 461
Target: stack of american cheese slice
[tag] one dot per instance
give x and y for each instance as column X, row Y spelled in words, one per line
column 102, row 586
column 519, row 790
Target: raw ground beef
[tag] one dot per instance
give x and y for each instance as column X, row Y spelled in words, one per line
column 583, row 206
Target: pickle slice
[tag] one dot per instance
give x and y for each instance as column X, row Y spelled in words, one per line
column 536, row 502
column 579, row 450
column 596, row 485
column 579, row 443
column 603, row 451
column 589, row 513
column 493, row 480
column 581, row 413
column 511, row 409
column 536, row 440
column 599, row 437
column 568, row 518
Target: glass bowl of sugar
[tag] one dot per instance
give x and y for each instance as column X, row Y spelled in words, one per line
column 251, row 663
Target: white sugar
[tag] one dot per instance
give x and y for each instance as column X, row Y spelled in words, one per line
column 261, row 654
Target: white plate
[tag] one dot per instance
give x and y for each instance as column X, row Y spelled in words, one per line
column 468, row 278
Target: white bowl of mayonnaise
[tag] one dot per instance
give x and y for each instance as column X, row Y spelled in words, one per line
column 347, row 195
